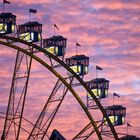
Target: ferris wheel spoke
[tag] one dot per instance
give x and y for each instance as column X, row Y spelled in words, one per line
column 60, row 100
column 87, row 131
column 44, row 124
column 54, row 100
column 17, row 106
column 105, row 130
column 37, row 127
column 2, row 115
column 81, row 135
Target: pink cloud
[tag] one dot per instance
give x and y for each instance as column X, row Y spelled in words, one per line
column 109, row 34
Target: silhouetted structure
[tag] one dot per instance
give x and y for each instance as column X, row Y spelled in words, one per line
column 79, row 64
column 7, row 23
column 56, row 136
column 99, row 87
column 129, row 137
column 116, row 114
column 55, row 45
column 30, row 31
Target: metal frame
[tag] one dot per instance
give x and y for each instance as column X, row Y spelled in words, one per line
column 87, row 131
column 64, row 81
column 15, row 113
column 36, row 131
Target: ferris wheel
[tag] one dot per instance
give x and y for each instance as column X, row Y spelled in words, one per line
column 26, row 118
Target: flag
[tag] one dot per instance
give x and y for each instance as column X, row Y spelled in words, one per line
column 98, row 68
column 114, row 94
column 55, row 26
column 6, row 2
column 32, row 11
column 128, row 124
column 77, row 44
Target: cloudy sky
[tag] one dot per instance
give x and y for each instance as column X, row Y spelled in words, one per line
column 108, row 31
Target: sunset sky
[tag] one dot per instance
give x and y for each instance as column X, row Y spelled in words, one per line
column 107, row 30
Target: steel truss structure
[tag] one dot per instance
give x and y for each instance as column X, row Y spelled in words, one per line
column 14, row 116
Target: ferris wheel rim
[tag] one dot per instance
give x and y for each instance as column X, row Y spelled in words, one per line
column 66, row 67
column 64, row 81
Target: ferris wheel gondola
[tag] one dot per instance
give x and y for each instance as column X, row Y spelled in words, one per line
column 28, row 35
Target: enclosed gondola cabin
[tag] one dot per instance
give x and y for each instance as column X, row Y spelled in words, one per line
column 99, row 87
column 30, row 31
column 129, row 137
column 79, row 64
column 116, row 114
column 55, row 45
column 7, row 23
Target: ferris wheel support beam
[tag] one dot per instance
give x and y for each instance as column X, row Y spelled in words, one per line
column 80, row 134
column 65, row 90
column 46, row 107
column 71, row 71
column 24, row 95
column 87, row 131
column 36, row 131
column 61, row 78
column 12, row 110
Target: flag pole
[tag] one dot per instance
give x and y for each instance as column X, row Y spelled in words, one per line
column 29, row 16
column 5, row 2
column 113, row 99
column 54, row 29
column 96, row 73
column 76, row 50
column 55, row 26
column 31, row 11
column 97, row 68
column 3, row 7
column 127, row 130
